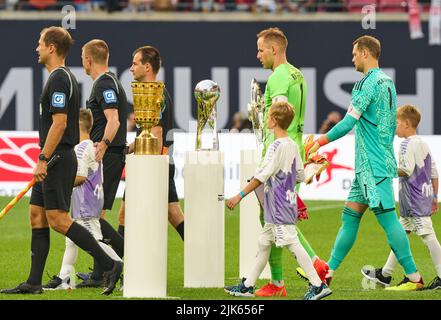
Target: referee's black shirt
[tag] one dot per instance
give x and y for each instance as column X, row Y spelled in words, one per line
column 108, row 93
column 61, row 94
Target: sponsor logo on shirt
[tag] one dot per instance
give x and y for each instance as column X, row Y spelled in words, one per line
column 427, row 190
column 291, row 196
column 58, row 100
column 109, row 96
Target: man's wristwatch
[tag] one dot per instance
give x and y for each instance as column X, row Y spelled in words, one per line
column 106, row 141
column 41, row 157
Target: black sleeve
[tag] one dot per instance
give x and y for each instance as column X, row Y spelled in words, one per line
column 166, row 121
column 164, row 117
column 59, row 89
column 106, row 93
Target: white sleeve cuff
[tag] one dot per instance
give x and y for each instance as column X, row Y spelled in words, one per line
column 354, row 112
column 280, row 99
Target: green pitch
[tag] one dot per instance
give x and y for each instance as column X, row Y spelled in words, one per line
column 321, row 228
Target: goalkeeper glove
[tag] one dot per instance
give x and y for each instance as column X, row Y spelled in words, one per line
column 312, row 146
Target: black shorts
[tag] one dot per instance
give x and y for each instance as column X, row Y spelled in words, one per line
column 54, row 193
column 113, row 165
column 172, row 194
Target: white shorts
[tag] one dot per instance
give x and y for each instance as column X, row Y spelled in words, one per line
column 420, row 225
column 92, row 225
column 280, row 235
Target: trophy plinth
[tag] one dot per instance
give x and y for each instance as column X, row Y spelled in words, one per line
column 147, row 103
column 207, row 93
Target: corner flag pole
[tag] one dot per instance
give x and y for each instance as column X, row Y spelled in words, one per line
column 14, row 201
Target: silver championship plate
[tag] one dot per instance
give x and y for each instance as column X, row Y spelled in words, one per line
column 255, row 109
column 207, row 93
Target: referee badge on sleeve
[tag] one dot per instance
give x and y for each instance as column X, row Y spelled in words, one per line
column 58, row 100
column 109, row 96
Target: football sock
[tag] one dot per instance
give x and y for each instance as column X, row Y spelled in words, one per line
column 84, row 239
column 261, row 260
column 278, row 283
column 39, row 250
column 299, row 253
column 414, row 277
column 180, row 230
column 97, row 273
column 116, row 240
column 305, row 244
column 434, row 247
column 275, row 262
column 69, row 259
column 121, row 230
column 109, row 251
column 345, row 238
column 389, row 267
column 275, row 257
column 397, row 239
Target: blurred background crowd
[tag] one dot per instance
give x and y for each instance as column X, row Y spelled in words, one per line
column 255, row 6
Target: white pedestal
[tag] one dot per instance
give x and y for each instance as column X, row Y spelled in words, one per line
column 204, row 245
column 250, row 225
column 146, row 222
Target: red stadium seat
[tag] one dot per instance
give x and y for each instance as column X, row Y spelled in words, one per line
column 425, row 7
column 393, row 5
column 42, row 4
column 355, row 6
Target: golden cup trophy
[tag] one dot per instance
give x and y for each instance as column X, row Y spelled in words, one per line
column 255, row 109
column 207, row 93
column 148, row 100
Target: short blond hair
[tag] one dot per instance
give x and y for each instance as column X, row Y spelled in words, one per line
column 282, row 113
column 274, row 35
column 98, row 50
column 59, row 37
column 411, row 113
column 86, row 120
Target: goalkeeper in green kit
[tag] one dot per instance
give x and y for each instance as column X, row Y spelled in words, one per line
column 373, row 114
column 287, row 84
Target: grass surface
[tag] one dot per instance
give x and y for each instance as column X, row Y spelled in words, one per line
column 370, row 249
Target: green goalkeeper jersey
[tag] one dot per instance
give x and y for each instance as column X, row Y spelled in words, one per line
column 288, row 81
column 373, row 104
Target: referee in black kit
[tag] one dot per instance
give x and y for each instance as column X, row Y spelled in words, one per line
column 51, row 195
column 146, row 64
column 108, row 103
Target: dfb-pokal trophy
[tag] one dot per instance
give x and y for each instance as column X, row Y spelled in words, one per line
column 146, row 199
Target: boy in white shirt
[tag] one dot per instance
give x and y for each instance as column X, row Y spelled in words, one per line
column 87, row 203
column 281, row 168
column 418, row 197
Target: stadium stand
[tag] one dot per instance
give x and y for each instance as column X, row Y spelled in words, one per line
column 355, row 6
column 252, row 6
column 392, row 5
